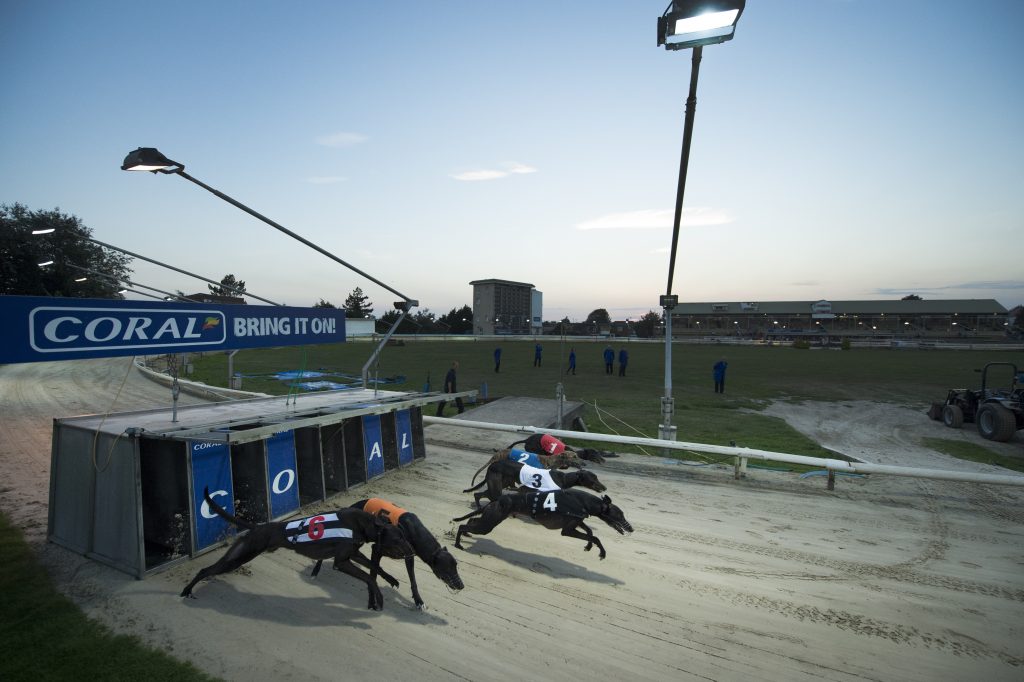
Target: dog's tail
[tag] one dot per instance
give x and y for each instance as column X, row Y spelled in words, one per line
column 479, row 485
column 477, row 512
column 494, row 458
column 223, row 513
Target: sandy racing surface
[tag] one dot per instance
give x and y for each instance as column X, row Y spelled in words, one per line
column 768, row 578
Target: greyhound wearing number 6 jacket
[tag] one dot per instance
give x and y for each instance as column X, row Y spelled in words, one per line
column 332, row 535
column 564, row 509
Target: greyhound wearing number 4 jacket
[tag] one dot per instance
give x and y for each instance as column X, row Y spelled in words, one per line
column 332, row 535
column 559, row 509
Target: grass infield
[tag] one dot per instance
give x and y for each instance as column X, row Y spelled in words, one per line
column 631, row 405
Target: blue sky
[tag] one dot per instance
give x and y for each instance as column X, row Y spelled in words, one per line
column 842, row 149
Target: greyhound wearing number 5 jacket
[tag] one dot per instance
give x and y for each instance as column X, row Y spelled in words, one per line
column 332, row 535
column 559, row 509
column 427, row 548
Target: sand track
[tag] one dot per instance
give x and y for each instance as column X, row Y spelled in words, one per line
column 767, row 578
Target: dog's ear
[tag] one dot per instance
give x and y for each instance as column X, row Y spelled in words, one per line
column 607, row 500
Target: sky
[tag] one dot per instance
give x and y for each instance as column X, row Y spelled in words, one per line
column 841, row 150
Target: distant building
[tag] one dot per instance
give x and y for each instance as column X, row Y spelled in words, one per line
column 940, row 317
column 504, row 307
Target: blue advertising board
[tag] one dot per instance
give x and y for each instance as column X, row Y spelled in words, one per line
column 211, row 468
column 282, row 474
column 40, row 328
column 373, row 446
column 403, row 431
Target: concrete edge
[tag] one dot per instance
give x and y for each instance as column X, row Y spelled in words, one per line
column 196, row 388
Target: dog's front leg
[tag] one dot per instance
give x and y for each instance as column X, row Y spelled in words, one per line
column 410, row 568
column 570, row 530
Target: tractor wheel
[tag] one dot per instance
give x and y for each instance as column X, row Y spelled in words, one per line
column 953, row 416
column 995, row 422
column 935, row 412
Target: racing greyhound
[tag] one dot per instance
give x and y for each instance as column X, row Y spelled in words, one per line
column 565, row 509
column 336, row 535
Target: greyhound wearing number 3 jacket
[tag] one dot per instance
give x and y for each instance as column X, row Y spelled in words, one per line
column 332, row 535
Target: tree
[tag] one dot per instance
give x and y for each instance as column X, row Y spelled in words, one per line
column 357, row 304
column 226, row 282
column 458, row 320
column 69, row 248
column 599, row 316
column 911, row 297
column 324, row 304
column 385, row 321
column 646, row 325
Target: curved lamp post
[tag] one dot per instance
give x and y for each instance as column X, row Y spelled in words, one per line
column 150, row 159
column 686, row 24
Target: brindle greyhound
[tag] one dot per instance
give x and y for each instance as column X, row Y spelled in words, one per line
column 509, row 474
column 336, row 535
column 428, row 549
column 563, row 460
column 564, row 509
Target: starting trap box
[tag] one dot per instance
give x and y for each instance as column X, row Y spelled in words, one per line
column 127, row 489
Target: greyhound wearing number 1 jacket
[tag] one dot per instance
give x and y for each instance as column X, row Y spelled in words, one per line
column 332, row 535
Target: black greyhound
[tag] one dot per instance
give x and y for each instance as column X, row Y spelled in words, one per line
column 428, row 549
column 560, row 509
column 509, row 474
column 336, row 535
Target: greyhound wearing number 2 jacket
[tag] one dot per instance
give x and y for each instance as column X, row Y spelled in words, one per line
column 332, row 535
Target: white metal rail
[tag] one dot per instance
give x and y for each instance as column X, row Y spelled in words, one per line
column 743, row 454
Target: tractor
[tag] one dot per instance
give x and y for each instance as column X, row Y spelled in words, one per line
column 998, row 412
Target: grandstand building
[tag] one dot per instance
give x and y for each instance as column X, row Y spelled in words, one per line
column 921, row 318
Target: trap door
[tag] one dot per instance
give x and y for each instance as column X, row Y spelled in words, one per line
column 282, row 474
column 373, row 446
column 210, row 467
column 404, row 437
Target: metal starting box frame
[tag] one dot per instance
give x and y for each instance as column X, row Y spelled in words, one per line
column 126, row 489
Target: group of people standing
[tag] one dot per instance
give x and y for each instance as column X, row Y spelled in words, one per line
column 609, row 361
column 717, row 371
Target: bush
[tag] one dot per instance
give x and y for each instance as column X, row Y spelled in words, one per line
column 845, row 345
column 802, row 344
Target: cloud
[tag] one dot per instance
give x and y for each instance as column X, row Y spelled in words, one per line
column 326, row 180
column 648, row 219
column 341, row 139
column 472, row 176
column 512, row 168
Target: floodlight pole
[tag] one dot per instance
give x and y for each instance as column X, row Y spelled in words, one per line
column 409, row 303
column 152, row 160
column 666, row 431
column 127, row 281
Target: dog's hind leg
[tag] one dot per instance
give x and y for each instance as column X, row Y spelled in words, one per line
column 244, row 550
column 359, row 558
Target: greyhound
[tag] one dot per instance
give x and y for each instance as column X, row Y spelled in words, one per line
column 563, row 509
column 428, row 549
column 509, row 474
column 336, row 535
column 561, row 460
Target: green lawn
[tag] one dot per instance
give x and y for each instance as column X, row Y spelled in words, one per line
column 631, row 404
column 43, row 636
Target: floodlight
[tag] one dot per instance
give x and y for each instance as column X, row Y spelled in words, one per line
column 693, row 23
